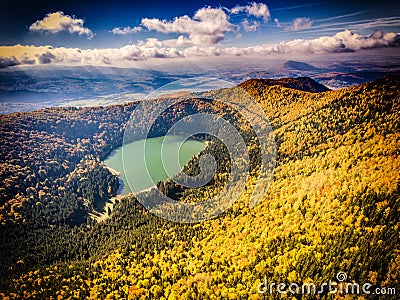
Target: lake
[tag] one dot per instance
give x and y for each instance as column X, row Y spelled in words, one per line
column 143, row 174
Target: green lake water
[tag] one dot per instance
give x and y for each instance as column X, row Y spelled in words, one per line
column 143, row 173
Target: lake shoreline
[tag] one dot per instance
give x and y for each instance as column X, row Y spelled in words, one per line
column 112, row 171
column 118, row 170
column 146, row 174
column 121, row 184
column 144, row 190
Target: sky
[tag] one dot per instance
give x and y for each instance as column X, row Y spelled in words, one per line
column 128, row 33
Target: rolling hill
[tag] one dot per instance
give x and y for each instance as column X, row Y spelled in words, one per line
column 305, row 84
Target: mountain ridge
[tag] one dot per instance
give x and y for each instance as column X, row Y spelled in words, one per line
column 305, row 84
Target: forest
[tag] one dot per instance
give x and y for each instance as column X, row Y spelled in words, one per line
column 333, row 204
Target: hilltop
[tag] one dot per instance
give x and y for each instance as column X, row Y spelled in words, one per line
column 305, row 84
column 299, row 66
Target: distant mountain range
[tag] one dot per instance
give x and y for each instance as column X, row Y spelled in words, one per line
column 333, row 75
column 25, row 89
column 82, row 81
column 32, row 88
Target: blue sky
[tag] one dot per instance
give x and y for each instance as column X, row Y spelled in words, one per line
column 97, row 32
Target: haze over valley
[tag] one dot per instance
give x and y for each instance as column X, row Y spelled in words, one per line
column 25, row 89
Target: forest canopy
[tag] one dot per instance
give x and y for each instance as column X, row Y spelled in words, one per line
column 333, row 204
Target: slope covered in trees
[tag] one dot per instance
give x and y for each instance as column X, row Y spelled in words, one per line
column 305, row 84
column 333, row 206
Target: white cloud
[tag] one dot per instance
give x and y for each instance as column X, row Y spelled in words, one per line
column 299, row 24
column 126, row 30
column 207, row 27
column 277, row 23
column 247, row 26
column 344, row 41
column 143, row 50
column 58, row 21
column 258, row 10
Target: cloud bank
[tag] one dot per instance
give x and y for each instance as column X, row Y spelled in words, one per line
column 58, row 22
column 345, row 41
column 207, row 27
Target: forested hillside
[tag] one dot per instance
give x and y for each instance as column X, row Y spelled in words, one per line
column 333, row 205
column 305, row 84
